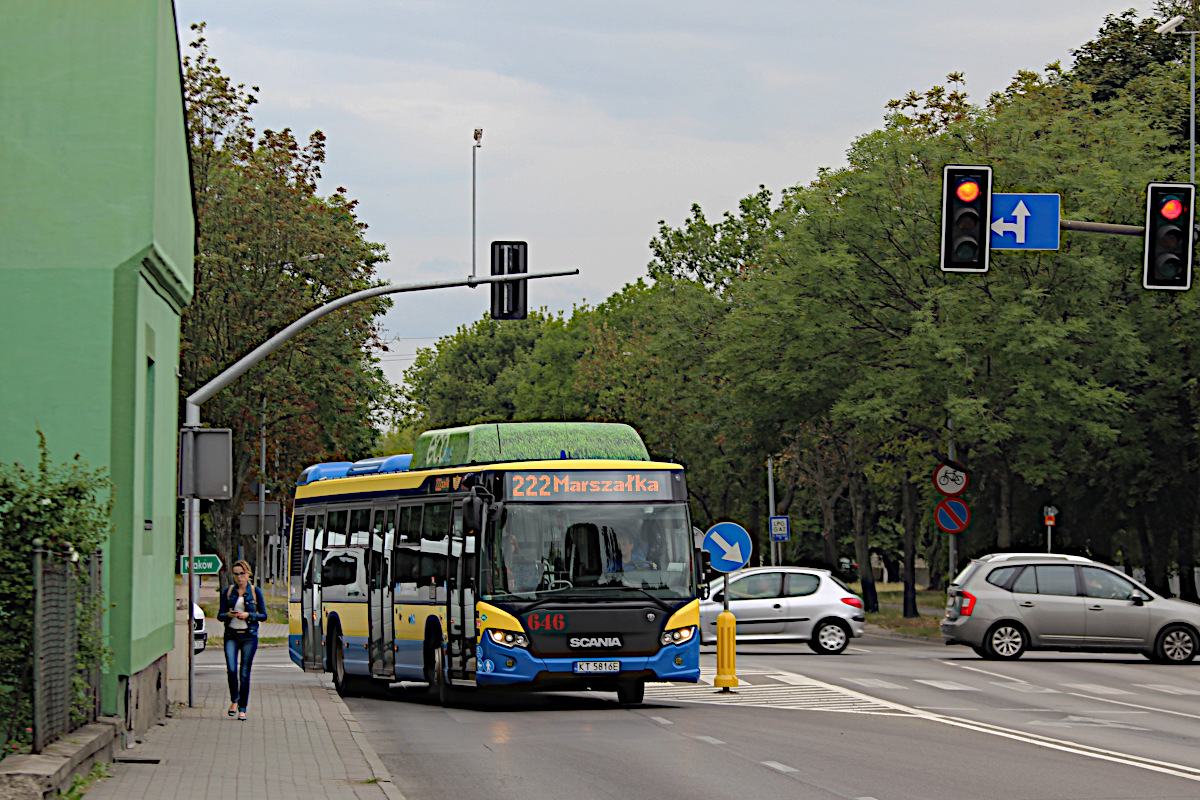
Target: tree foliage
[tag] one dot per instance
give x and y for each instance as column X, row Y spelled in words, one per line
column 271, row 249
column 818, row 330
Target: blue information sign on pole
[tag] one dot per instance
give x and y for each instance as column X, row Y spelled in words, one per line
column 781, row 529
column 728, row 545
column 1025, row 221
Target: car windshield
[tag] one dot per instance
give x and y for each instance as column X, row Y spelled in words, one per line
column 589, row 551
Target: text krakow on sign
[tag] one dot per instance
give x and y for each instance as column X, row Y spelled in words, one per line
column 201, row 565
column 952, row 515
column 951, row 478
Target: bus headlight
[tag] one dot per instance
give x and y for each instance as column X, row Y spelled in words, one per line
column 679, row 635
column 508, row 638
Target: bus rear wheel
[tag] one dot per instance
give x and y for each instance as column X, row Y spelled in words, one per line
column 631, row 693
column 437, row 675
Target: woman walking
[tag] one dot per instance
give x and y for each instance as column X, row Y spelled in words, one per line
column 242, row 608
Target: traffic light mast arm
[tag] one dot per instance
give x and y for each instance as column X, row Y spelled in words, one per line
column 205, row 392
column 1101, row 227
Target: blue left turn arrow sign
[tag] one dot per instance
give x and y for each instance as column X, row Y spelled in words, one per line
column 1025, row 221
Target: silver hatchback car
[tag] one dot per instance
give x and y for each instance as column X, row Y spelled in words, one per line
column 1002, row 605
column 786, row 604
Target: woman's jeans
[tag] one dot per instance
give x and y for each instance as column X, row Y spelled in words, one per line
column 239, row 679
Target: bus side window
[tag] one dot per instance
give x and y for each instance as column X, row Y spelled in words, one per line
column 335, row 535
column 410, row 525
column 406, row 569
column 436, row 525
column 360, row 526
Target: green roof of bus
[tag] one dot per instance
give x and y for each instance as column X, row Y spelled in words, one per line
column 500, row 442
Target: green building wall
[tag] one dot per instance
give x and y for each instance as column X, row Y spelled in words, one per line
column 96, row 243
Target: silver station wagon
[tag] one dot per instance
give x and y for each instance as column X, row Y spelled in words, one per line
column 786, row 604
column 1002, row 605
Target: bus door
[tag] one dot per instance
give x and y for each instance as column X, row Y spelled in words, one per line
column 380, row 620
column 460, row 604
column 312, row 645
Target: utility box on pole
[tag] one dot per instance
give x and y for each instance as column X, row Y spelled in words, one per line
column 206, row 463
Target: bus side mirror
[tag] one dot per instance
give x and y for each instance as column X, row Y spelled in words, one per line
column 474, row 509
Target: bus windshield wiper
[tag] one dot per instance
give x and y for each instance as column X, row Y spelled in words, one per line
column 618, row 585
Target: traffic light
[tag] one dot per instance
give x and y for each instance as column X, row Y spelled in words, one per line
column 508, row 298
column 1167, row 263
column 966, row 217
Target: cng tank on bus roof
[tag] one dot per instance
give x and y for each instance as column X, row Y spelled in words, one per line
column 500, row 442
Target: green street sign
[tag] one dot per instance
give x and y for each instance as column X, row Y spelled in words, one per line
column 201, row 565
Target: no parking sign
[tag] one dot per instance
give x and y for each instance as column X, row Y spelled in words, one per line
column 952, row 515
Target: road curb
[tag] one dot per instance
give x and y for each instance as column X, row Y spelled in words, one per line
column 876, row 630
column 383, row 778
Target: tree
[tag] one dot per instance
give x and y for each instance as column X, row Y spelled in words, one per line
column 269, row 250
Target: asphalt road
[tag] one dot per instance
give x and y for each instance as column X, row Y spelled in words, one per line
column 887, row 720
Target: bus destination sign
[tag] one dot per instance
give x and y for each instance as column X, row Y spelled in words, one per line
column 578, row 486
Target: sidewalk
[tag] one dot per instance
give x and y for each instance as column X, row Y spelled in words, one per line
column 300, row 742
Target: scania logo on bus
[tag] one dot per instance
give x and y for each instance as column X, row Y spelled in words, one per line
column 594, row 641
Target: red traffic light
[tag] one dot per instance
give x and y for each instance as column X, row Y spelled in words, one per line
column 1172, row 208
column 968, row 190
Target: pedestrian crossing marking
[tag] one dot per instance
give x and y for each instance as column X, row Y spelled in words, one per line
column 792, row 692
column 875, row 683
column 1028, row 688
column 949, row 686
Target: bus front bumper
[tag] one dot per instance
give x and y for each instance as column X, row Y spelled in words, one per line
column 497, row 665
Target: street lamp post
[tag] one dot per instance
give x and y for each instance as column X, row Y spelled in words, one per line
column 474, row 149
column 1172, row 26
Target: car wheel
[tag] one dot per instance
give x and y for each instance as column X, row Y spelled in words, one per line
column 1005, row 641
column 829, row 638
column 1176, row 645
column 631, row 693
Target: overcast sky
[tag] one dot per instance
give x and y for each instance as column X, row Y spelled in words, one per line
column 600, row 119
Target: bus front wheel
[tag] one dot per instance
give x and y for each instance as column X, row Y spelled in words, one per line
column 631, row 693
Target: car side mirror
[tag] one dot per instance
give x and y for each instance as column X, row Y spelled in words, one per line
column 719, row 597
column 1138, row 599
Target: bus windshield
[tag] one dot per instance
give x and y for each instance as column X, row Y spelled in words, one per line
column 589, row 550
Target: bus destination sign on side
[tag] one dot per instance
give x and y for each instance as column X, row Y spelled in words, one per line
column 596, row 486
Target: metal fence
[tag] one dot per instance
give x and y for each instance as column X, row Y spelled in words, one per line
column 63, row 583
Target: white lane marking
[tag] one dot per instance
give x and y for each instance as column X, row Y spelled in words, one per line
column 1021, row 686
column 1135, row 705
column 1094, row 688
column 977, row 669
column 1038, row 740
column 662, row 721
column 1086, row 722
column 864, row 798
column 858, row 649
column 948, row 686
column 710, row 740
column 947, row 708
column 1167, row 689
column 875, row 683
column 780, row 767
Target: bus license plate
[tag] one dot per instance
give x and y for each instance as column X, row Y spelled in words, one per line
column 597, row 666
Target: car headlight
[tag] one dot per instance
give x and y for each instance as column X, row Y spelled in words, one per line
column 508, row 638
column 679, row 635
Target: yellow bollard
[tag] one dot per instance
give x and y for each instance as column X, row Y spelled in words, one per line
column 726, row 651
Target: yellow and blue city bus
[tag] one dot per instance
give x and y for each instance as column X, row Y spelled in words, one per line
column 544, row 556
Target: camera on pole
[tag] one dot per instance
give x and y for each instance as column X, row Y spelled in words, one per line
column 1167, row 260
column 966, row 217
column 509, row 297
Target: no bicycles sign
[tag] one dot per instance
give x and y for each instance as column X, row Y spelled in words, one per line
column 951, row 478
